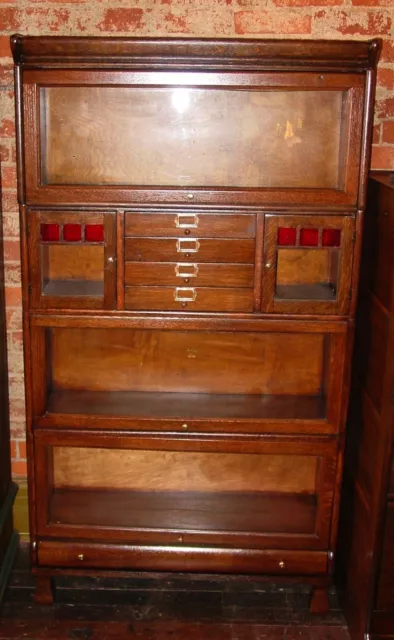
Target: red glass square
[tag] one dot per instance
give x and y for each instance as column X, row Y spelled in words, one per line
column 50, row 232
column 287, row 236
column 331, row 238
column 309, row 237
column 72, row 232
column 94, row 233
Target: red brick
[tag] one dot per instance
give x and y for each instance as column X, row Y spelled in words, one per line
column 13, row 297
column 4, row 152
column 9, row 19
column 10, row 202
column 17, row 409
column 372, row 3
column 387, row 51
column 14, row 319
column 12, row 274
column 307, row 3
column 21, row 449
column 11, row 225
column 388, row 132
column 8, row 177
column 377, row 130
column 385, row 107
column 382, row 158
column 5, row 49
column 385, row 78
column 271, row 22
column 122, row 19
column 14, row 452
column 350, row 23
column 19, row 469
column 173, row 23
column 6, row 75
column 47, row 19
column 7, row 128
column 11, row 250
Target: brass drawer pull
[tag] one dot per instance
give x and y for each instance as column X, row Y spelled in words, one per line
column 186, row 225
column 186, row 270
column 185, row 294
column 187, row 245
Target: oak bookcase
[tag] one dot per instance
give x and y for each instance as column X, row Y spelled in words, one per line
column 191, row 226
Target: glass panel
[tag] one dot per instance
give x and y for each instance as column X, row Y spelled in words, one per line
column 50, row 232
column 307, row 274
column 191, row 137
column 186, row 374
column 72, row 232
column 72, row 270
column 309, row 237
column 287, row 236
column 185, row 490
column 94, row 233
column 331, row 238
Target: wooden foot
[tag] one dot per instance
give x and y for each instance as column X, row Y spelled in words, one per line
column 44, row 592
column 319, row 601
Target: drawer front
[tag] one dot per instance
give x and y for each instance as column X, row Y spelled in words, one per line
column 189, row 250
column 203, row 225
column 185, row 274
column 180, row 558
column 189, row 298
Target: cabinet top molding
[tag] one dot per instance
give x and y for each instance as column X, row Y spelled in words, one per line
column 175, row 53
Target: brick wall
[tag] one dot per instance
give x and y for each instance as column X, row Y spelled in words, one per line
column 186, row 18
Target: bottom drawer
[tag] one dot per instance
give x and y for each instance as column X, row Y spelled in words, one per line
column 180, row 558
column 189, row 299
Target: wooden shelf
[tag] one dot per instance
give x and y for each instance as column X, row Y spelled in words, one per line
column 186, row 405
column 73, row 288
column 190, row 511
column 317, row 291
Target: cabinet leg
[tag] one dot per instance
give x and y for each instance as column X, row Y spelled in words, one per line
column 319, row 601
column 44, row 592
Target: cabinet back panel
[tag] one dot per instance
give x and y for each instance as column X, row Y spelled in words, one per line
column 303, row 266
column 65, row 262
column 191, row 362
column 269, row 134
column 183, row 471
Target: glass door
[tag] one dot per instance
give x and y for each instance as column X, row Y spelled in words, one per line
column 307, row 264
column 73, row 259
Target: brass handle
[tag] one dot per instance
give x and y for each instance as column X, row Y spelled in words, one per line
column 186, row 225
column 185, row 294
column 188, row 270
column 282, row 564
column 80, row 556
column 187, row 245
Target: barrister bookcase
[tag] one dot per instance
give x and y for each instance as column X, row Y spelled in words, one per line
column 366, row 549
column 191, row 224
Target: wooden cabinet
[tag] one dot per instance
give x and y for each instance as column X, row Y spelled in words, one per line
column 367, row 521
column 191, row 215
column 8, row 538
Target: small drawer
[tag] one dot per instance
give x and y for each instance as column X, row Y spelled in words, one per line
column 180, row 558
column 189, row 250
column 202, row 225
column 189, row 273
column 189, row 299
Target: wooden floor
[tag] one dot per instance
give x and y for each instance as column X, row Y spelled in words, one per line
column 164, row 607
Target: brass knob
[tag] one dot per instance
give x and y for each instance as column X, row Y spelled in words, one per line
column 184, row 426
column 111, row 259
column 80, row 556
column 268, row 265
column 281, row 564
column 190, row 196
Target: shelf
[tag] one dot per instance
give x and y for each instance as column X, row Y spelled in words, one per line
column 71, row 288
column 190, row 511
column 186, row 405
column 305, row 292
